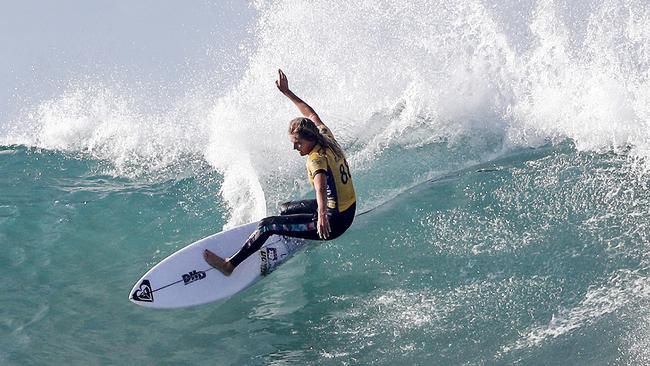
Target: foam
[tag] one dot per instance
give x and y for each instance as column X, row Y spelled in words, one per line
column 390, row 76
column 623, row 288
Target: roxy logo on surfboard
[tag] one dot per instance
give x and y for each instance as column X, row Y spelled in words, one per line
column 144, row 292
column 193, row 277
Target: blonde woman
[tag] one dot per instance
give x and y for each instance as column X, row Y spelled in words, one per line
column 324, row 218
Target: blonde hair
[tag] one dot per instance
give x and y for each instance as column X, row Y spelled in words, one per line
column 306, row 128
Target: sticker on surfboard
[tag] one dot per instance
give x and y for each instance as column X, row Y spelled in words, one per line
column 143, row 292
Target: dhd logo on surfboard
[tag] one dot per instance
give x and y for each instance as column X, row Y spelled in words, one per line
column 193, row 277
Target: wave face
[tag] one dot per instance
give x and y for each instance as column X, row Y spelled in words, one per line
column 500, row 156
column 469, row 80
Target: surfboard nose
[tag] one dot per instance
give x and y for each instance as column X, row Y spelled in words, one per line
column 142, row 292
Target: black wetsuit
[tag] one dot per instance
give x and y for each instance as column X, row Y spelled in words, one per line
column 297, row 219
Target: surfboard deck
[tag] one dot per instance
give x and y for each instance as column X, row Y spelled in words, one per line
column 184, row 278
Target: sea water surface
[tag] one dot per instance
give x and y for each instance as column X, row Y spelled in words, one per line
column 500, row 157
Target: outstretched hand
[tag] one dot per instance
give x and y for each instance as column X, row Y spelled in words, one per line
column 282, row 83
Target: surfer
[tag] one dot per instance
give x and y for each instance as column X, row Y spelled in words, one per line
column 324, row 218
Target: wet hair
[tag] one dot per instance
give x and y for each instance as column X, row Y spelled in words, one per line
column 306, row 129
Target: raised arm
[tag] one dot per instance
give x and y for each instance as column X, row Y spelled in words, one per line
column 283, row 85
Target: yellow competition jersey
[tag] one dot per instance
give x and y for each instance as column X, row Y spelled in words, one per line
column 340, row 191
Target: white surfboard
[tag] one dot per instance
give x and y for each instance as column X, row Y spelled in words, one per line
column 185, row 279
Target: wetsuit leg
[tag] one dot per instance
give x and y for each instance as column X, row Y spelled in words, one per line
column 341, row 221
column 299, row 207
column 297, row 226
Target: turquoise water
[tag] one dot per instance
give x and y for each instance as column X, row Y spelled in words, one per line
column 538, row 257
column 501, row 167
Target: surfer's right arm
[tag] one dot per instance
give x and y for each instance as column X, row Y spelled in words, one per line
column 283, row 85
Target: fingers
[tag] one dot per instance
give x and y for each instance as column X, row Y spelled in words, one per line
column 324, row 230
column 281, row 83
column 327, row 229
column 323, row 234
column 282, row 78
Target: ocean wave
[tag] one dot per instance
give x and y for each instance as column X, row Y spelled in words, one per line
column 463, row 81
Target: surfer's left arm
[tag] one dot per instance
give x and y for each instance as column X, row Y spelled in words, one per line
column 323, row 225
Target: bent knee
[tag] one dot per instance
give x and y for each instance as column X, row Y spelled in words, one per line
column 285, row 207
column 265, row 222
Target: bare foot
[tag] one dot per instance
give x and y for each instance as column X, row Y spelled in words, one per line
column 217, row 262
